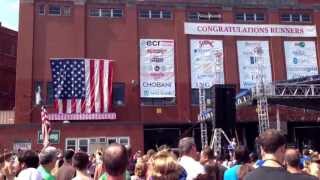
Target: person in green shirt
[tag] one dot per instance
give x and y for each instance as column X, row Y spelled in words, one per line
column 115, row 160
column 47, row 159
column 126, row 176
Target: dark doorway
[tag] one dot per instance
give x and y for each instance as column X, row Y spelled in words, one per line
column 307, row 137
column 155, row 137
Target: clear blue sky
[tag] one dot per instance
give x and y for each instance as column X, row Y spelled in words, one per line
column 9, row 13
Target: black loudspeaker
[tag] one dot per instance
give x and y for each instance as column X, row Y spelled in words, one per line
column 223, row 102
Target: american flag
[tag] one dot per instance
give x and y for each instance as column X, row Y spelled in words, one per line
column 82, row 85
column 45, row 125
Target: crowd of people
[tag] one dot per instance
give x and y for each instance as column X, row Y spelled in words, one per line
column 274, row 162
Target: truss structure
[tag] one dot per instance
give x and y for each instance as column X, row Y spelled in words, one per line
column 283, row 91
column 216, row 140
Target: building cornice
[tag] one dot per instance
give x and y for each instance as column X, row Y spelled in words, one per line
column 278, row 4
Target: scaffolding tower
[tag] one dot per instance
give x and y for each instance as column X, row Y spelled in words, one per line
column 202, row 117
column 260, row 89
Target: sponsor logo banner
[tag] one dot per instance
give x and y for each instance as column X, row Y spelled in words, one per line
column 157, row 68
column 250, row 29
column 206, row 63
column 252, row 54
column 301, row 58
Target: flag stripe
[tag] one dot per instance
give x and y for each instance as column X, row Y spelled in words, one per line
column 69, row 106
column 87, row 86
column 73, row 105
column 109, row 84
column 92, row 86
column 78, row 106
column 105, row 86
column 83, row 106
column 97, row 85
column 102, row 82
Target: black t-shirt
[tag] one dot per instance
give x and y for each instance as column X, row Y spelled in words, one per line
column 268, row 173
column 300, row 176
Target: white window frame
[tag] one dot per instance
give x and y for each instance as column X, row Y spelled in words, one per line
column 93, row 140
column 100, row 9
column 254, row 17
column 105, row 140
column 300, row 18
column 67, row 10
column 113, row 138
column 71, row 139
column 124, row 137
column 60, row 12
column 161, row 14
column 88, row 143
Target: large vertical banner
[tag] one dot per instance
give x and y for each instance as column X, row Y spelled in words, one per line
column 301, row 58
column 157, row 68
column 250, row 54
column 206, row 63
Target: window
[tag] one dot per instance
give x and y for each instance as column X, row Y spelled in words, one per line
column 166, row 14
column 296, row 17
column 111, row 140
column 158, row 101
column 54, row 10
column 195, row 96
column 204, row 16
column 306, row 18
column 102, row 140
column 144, row 13
column 71, row 144
column 249, row 16
column 118, row 94
column 117, row 13
column 124, row 141
column 41, row 9
column 67, row 10
column 93, row 140
column 83, row 145
column 94, row 12
column 50, row 96
column 37, row 93
column 259, row 17
column 106, row 12
column 154, row 14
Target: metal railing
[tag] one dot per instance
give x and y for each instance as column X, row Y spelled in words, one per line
column 7, row 117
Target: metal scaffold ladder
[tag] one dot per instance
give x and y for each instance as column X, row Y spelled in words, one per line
column 263, row 116
column 216, row 141
column 202, row 119
column 262, row 100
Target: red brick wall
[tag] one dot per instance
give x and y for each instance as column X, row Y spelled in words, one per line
column 22, row 133
column 8, row 45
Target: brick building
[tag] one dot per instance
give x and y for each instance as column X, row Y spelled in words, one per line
column 114, row 30
column 8, row 46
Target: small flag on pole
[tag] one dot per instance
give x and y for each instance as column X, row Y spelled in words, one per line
column 45, row 126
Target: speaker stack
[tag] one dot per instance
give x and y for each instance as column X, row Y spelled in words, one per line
column 223, row 105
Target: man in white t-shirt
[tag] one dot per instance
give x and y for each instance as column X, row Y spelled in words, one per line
column 29, row 161
column 188, row 151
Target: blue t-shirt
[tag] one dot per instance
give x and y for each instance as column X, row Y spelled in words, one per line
column 232, row 173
